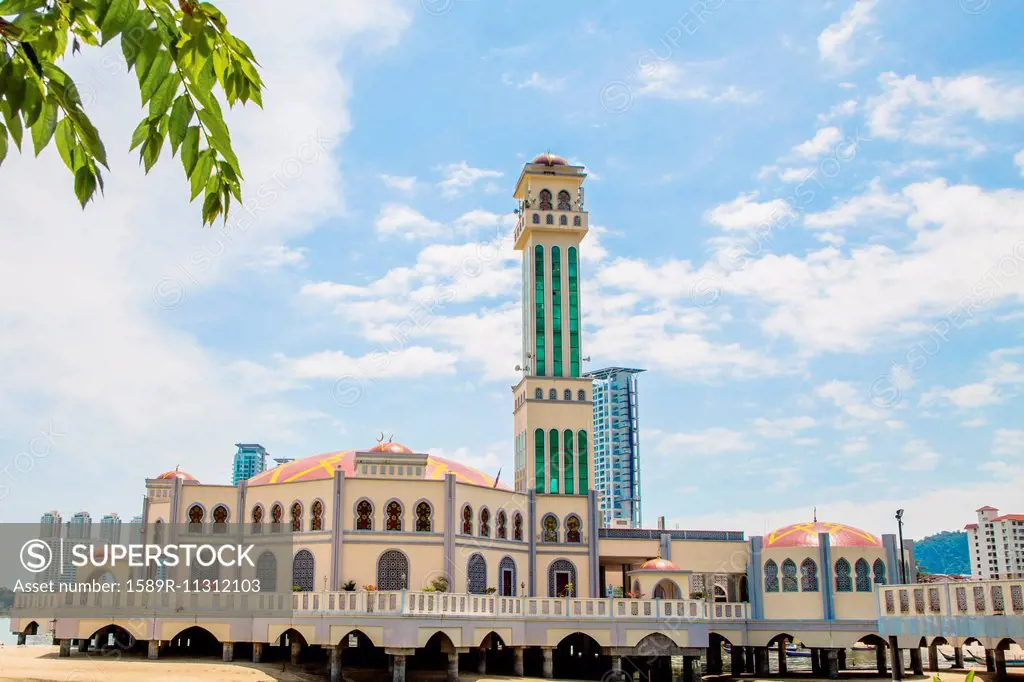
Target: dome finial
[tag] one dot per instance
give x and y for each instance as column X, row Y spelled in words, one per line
column 815, row 514
column 381, row 438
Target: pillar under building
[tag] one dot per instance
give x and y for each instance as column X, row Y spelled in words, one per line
column 518, row 666
column 783, row 663
column 915, row 661
column 453, row 667
column 257, row 652
column 333, row 662
column 549, row 662
column 153, row 649
column 897, row 659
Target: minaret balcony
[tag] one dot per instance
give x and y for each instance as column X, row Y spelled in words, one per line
column 568, row 221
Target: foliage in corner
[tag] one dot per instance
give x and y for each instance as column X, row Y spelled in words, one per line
column 182, row 55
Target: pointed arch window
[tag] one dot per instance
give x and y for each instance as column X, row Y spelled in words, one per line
column 567, row 394
column 808, row 576
column 545, row 200
column 316, row 516
column 564, row 201
column 296, row 517
column 257, row 519
column 581, row 394
column 555, row 464
column 863, row 577
column 574, row 312
column 507, row 577
column 569, row 477
column 556, row 310
column 393, row 570
column 789, row 581
column 549, row 528
column 423, row 513
column 195, row 519
column 771, row 576
column 538, row 393
column 572, row 529
column 485, row 522
column 584, row 475
column 476, row 574
column 266, row 572
column 552, row 394
column 364, row 515
column 303, row 571
column 467, row 520
column 539, row 365
column 538, row 446
column 220, row 519
column 501, row 532
column 394, row 512
column 844, row 583
column 879, row 570
column 517, row 526
column 276, row 515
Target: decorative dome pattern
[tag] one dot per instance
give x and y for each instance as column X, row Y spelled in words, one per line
column 319, row 467
column 806, row 535
column 177, row 474
column 659, row 564
column 549, row 159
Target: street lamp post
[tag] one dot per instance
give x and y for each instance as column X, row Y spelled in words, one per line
column 903, row 565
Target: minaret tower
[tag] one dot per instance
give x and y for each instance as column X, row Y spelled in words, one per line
column 553, row 405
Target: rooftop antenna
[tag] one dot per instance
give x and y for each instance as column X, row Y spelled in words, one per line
column 815, row 514
column 391, row 437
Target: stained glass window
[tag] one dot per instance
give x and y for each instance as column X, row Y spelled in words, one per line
column 574, row 313
column 538, row 393
column 563, row 220
column 549, row 219
column 257, row 519
column 316, row 516
column 545, row 200
column 843, row 582
column 467, row 520
column 485, row 523
column 539, row 366
column 556, row 310
column 789, row 582
column 581, row 441
column 569, row 477
column 564, row 202
column 302, row 571
column 572, row 529
column 568, row 575
column 576, row 221
column 809, row 576
column 517, row 526
column 423, row 511
column 538, row 445
column 394, row 512
column 552, row 394
column 502, row 532
column 266, row 572
column 296, row 517
column 507, row 585
column 553, row 455
column 567, row 394
column 220, row 519
column 581, row 394
column 862, row 571
column 550, row 528
column 276, row 514
column 195, row 519
column 879, row 570
column 392, row 571
column 476, row 574
column 364, row 515
column 771, row 576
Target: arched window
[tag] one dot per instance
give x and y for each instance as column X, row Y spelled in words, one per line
column 556, row 310
column 485, row 522
column 581, row 394
column 476, row 574
column 572, row 258
column 158, row 532
column 539, row 346
column 563, row 220
column 538, row 458
column 316, row 516
column 561, row 578
column 517, row 526
column 364, row 515
column 554, row 462
column 879, row 570
column 572, row 529
column 257, row 519
column 220, row 519
column 576, row 222
column 771, row 576
column 564, row 201
column 863, row 575
column 538, row 393
column 507, row 577
column 809, row 576
column 549, row 219
column 567, row 458
column 195, row 519
column 302, row 571
column 567, row 394
column 581, row 454
column 843, row 581
column 545, row 200
column 394, row 512
column 393, row 571
column 423, row 512
column 296, row 517
column 536, row 218
column 501, row 531
column 549, row 528
column 552, row 394
column 467, row 520
column 266, row 572
column 276, row 514
column 789, row 582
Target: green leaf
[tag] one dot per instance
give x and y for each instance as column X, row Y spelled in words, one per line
column 151, row 150
column 3, row 143
column 211, row 208
column 16, row 88
column 190, row 150
column 156, row 73
column 89, row 136
column 14, row 125
column 218, row 133
column 118, row 16
column 85, row 185
column 42, row 129
column 140, row 134
column 32, row 104
column 163, row 96
column 65, row 137
column 181, row 116
column 201, row 173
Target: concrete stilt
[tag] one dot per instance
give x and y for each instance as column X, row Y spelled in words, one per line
column 481, row 663
column 933, row 657
column 896, row 659
column 65, row 648
column 842, row 658
column 736, row 661
column 334, row 661
column 227, row 652
column 83, row 645
column 815, row 662
column 990, row 661
column 617, row 663
column 257, row 652
column 1000, row 664
column 398, row 669
column 549, row 662
column 453, row 667
column 958, row 657
column 153, row 649
column 689, row 675
column 517, row 661
column 296, row 649
column 832, row 663
column 760, row 660
column 783, row 663
column 715, row 659
column 915, row 661
column 748, row 657
column 880, row 659
column 22, row 639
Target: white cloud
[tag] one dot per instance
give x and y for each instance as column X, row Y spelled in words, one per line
column 404, row 183
column 874, row 203
column 850, row 399
column 413, row 361
column 715, row 440
column 975, row 423
column 668, row 80
column 461, row 176
column 782, row 428
column 841, row 110
column 745, row 212
column 539, row 82
column 834, row 41
column 1018, row 159
column 1008, row 442
column 1001, row 370
column 406, row 222
column 278, row 256
column 920, row 457
column 822, row 142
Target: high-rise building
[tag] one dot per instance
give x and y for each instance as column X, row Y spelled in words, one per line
column 110, row 527
column 617, row 444
column 552, row 402
column 250, row 460
column 996, row 545
column 80, row 526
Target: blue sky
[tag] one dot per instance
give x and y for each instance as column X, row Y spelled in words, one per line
column 807, row 227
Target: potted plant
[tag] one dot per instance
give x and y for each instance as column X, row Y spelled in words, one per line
column 370, row 588
column 567, row 592
column 440, row 584
column 296, row 588
column 491, row 590
column 349, row 586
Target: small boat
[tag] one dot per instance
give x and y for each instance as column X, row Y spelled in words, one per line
column 968, row 657
column 793, row 651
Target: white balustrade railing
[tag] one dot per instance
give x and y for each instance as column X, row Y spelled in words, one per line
column 963, row 598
